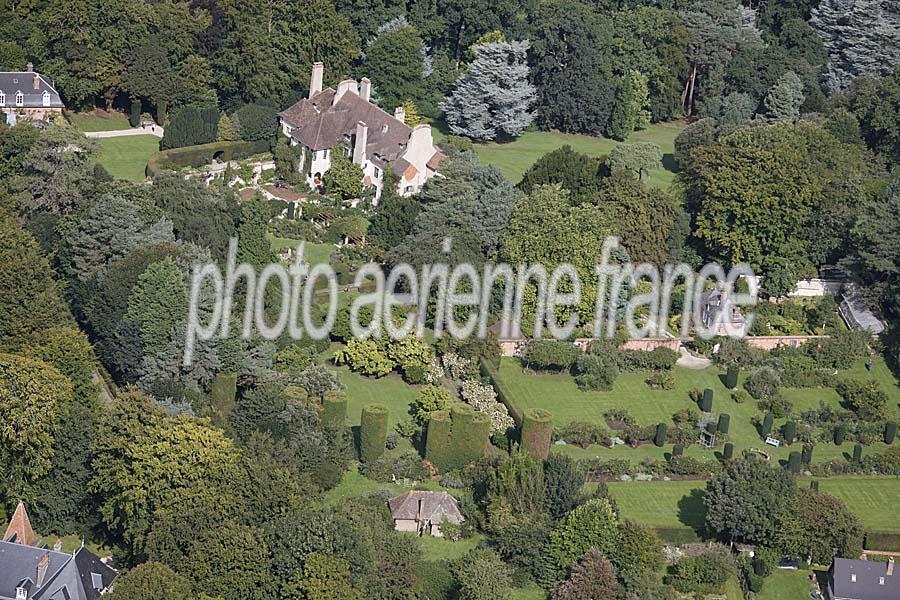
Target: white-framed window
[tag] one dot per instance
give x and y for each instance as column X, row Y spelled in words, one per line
column 408, row 189
column 347, row 150
column 2, row 99
column 853, row 577
column 45, row 98
column 20, row 98
column 377, row 172
column 327, row 153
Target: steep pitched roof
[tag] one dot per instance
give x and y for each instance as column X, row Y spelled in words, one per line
column 322, row 123
column 23, row 81
column 438, row 507
column 19, row 529
column 78, row 576
column 868, row 575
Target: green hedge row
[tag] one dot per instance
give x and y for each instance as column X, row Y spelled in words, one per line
column 677, row 535
column 197, row 156
column 456, row 438
column 334, row 409
column 503, row 393
column 885, row 541
column 537, row 429
column 437, row 441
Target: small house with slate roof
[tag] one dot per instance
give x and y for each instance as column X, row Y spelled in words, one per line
column 27, row 95
column 346, row 120
column 863, row 580
column 424, row 512
column 29, row 571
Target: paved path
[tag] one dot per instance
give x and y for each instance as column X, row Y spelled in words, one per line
column 689, row 361
column 156, row 131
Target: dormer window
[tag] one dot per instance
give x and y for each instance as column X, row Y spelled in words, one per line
column 2, row 99
column 45, row 98
column 853, row 577
column 20, row 99
column 881, row 581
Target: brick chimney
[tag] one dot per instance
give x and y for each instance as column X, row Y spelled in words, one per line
column 400, row 114
column 57, row 547
column 890, row 567
column 359, row 148
column 37, row 82
column 29, row 67
column 365, row 88
column 347, row 85
column 42, row 565
column 315, row 81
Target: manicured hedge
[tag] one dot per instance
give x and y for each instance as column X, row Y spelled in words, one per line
column 731, row 377
column 807, row 454
column 677, row 450
column 766, row 428
column 437, row 441
column 707, row 400
column 724, row 422
column 372, row 432
column 334, row 409
column 885, row 541
column 537, row 429
column 790, row 432
column 503, row 394
column 857, row 453
column 677, row 535
column 814, row 485
column 794, row 462
column 890, row 432
column 660, row 439
column 198, row 156
column 728, row 451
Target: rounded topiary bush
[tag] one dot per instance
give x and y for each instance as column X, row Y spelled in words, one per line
column 707, row 400
column 794, row 462
column 766, row 427
column 660, row 439
column 334, row 409
column 537, row 429
column 724, row 422
column 372, row 432
column 790, row 432
column 677, row 450
column 731, row 377
column 890, row 432
column 728, row 451
column 807, row 454
column 857, row 453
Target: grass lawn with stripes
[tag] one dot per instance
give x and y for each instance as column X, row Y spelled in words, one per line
column 558, row 394
column 126, row 157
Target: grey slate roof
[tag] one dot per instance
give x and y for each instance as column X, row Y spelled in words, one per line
column 66, row 574
column 438, row 507
column 868, row 577
column 23, row 81
column 857, row 314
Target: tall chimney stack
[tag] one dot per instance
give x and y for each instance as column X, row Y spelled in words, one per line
column 400, row 114
column 365, row 88
column 890, row 567
column 315, row 82
column 359, row 148
column 37, row 82
column 29, row 67
column 42, row 565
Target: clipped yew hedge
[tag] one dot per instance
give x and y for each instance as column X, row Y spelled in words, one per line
column 334, row 409
column 372, row 432
column 537, row 429
column 437, row 441
column 198, row 156
column 457, row 437
column 503, row 394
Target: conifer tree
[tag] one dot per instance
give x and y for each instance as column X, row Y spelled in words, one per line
column 227, row 130
column 785, row 98
column 631, row 111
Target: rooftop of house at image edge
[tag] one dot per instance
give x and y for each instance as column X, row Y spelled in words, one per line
column 37, row 572
column 31, row 85
column 328, row 116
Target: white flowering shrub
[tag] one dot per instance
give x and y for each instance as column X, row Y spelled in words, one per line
column 484, row 399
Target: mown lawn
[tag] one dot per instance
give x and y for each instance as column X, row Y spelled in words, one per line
column 674, row 504
column 558, row 394
column 786, row 584
column 126, row 157
column 313, row 253
column 514, row 158
column 114, row 121
column 389, row 390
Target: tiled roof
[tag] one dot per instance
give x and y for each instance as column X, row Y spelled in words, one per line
column 438, row 507
column 77, row 574
column 321, row 124
column 864, row 580
column 19, row 529
column 23, row 81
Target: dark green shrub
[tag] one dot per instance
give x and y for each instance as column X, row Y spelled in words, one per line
column 550, row 355
column 712, row 427
column 807, row 454
column 814, row 485
column 794, row 462
column 857, row 453
column 136, row 109
column 890, row 432
column 840, row 433
column 766, row 427
column 707, row 400
column 755, row 582
column 198, row 156
column 882, row 540
column 372, row 432
column 731, row 377
column 728, row 451
column 537, row 428
column 191, row 126
column 582, row 434
column 724, row 422
column 790, row 432
column 222, row 395
column 677, row 450
column 660, row 439
column 759, row 567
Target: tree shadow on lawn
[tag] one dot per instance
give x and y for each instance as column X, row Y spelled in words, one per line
column 668, row 163
column 692, row 510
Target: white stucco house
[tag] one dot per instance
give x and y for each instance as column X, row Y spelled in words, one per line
column 346, row 120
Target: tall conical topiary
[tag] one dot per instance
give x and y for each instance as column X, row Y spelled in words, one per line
column 334, row 409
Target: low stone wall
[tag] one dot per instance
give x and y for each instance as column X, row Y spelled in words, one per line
column 769, row 342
